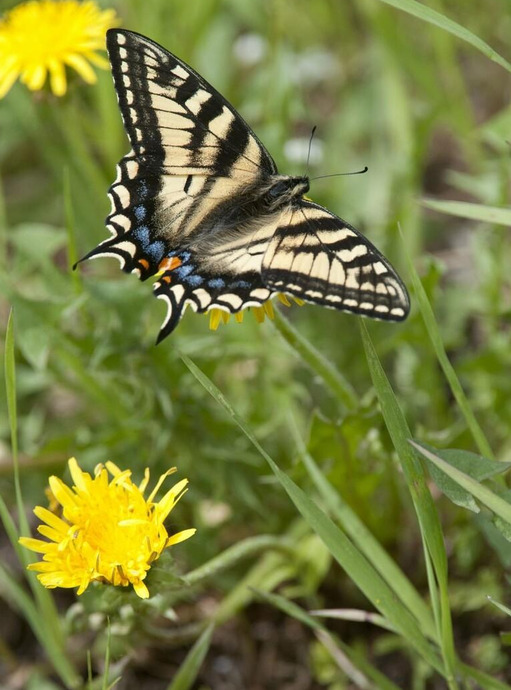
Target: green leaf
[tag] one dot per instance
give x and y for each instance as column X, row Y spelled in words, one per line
column 495, row 503
column 476, row 466
column 495, row 538
column 464, row 209
column 189, row 669
column 429, row 15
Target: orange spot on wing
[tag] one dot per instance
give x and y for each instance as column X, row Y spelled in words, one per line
column 144, row 263
column 166, row 279
column 169, row 264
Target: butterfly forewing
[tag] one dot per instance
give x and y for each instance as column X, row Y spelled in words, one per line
column 190, row 152
column 174, row 119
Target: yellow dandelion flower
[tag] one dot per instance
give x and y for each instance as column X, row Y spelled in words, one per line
column 108, row 531
column 218, row 316
column 42, row 37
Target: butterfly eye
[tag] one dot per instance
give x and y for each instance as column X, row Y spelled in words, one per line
column 279, row 189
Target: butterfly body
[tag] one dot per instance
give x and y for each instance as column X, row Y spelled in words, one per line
column 198, row 202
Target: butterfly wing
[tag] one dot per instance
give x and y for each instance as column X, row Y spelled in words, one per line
column 191, row 153
column 315, row 255
column 186, row 205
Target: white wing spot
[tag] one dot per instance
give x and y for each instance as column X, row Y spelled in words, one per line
column 203, row 296
column 234, row 301
column 351, row 254
column 132, row 169
column 260, row 294
column 180, row 72
column 195, row 102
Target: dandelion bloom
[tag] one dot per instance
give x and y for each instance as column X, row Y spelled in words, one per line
column 218, row 316
column 43, row 36
column 108, row 531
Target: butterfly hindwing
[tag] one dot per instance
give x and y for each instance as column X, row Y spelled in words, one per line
column 317, row 256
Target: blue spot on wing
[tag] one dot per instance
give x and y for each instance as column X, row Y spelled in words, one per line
column 194, row 281
column 141, row 234
column 143, row 190
column 140, row 212
column 216, row 283
column 154, row 250
column 183, row 271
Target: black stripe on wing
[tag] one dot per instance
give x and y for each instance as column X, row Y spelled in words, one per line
column 174, row 118
column 317, row 256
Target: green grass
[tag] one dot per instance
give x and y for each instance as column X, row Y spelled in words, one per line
column 297, row 432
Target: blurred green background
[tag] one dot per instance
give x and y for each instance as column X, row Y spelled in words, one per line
column 430, row 117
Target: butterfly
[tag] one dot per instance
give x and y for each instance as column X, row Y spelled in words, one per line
column 199, row 204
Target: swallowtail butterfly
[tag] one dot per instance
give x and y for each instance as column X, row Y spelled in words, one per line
column 199, row 204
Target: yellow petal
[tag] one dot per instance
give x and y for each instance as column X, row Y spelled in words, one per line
column 78, row 63
column 57, row 77
column 268, row 309
column 7, row 80
column 34, row 77
column 172, row 497
column 61, row 492
column 283, row 298
column 35, row 544
column 215, row 316
column 259, row 314
column 180, row 536
column 160, row 482
column 51, row 519
column 141, row 590
column 77, row 475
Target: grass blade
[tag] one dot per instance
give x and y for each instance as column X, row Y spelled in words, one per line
column 426, row 512
column 464, row 209
column 189, row 669
column 431, row 16
column 448, row 369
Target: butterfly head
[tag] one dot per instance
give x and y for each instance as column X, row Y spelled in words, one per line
column 284, row 189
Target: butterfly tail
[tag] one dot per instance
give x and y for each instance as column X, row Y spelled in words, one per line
column 175, row 297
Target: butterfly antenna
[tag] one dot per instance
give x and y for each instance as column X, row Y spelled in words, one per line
column 357, row 172
column 309, row 151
